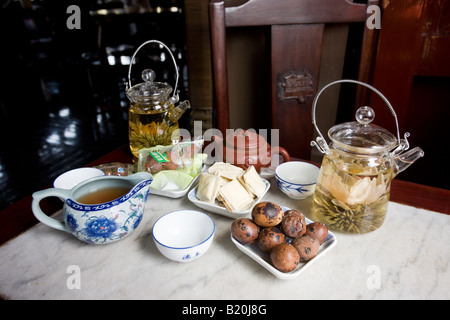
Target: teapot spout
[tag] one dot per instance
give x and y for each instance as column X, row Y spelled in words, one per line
column 178, row 111
column 404, row 160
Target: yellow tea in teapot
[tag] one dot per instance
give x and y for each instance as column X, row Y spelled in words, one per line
column 352, row 196
column 153, row 117
column 149, row 128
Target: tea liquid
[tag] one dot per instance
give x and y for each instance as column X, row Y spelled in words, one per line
column 359, row 218
column 103, row 195
column 350, row 196
column 149, row 128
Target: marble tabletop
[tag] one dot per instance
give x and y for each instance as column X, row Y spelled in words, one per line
column 407, row 258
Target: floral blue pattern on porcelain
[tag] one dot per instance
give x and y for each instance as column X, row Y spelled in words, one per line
column 190, row 256
column 291, row 188
column 296, row 191
column 113, row 224
column 99, row 223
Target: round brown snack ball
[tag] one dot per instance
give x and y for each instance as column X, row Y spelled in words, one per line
column 317, row 230
column 284, row 257
column 267, row 214
column 244, row 230
column 269, row 238
column 306, row 246
column 293, row 224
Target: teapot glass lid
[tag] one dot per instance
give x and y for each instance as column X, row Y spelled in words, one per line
column 361, row 136
column 149, row 88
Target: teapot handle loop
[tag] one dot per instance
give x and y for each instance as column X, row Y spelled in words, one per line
column 321, row 143
column 171, row 55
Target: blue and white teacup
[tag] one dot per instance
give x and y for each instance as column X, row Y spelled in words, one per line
column 297, row 179
column 104, row 222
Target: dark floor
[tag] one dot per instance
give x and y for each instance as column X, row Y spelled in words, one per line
column 64, row 105
column 54, row 142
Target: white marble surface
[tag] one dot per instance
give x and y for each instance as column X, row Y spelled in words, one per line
column 407, row 258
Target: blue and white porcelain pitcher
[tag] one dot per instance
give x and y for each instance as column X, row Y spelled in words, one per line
column 99, row 223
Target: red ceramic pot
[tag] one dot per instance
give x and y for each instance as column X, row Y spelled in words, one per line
column 244, row 148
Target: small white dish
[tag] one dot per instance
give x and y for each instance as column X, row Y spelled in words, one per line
column 183, row 235
column 179, row 193
column 71, row 178
column 219, row 208
column 174, row 194
column 263, row 258
column 297, row 179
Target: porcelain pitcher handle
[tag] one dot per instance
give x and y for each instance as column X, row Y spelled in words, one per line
column 40, row 215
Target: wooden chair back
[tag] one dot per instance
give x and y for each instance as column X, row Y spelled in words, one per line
column 296, row 32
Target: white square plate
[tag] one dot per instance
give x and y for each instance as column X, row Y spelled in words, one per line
column 263, row 258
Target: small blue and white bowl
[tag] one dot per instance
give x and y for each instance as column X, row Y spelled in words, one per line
column 183, row 235
column 297, row 179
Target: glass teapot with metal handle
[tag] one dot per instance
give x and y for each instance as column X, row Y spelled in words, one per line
column 353, row 187
column 153, row 116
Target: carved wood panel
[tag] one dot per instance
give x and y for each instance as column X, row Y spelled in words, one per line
column 296, row 86
column 296, row 52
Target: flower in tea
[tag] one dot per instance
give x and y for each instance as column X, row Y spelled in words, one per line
column 354, row 190
column 352, row 196
column 365, row 191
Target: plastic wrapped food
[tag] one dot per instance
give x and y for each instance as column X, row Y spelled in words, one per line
column 117, row 169
column 173, row 167
column 185, row 156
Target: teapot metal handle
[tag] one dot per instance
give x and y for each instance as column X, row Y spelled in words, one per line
column 321, row 143
column 171, row 55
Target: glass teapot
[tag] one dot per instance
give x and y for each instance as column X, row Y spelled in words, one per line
column 153, row 117
column 353, row 187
